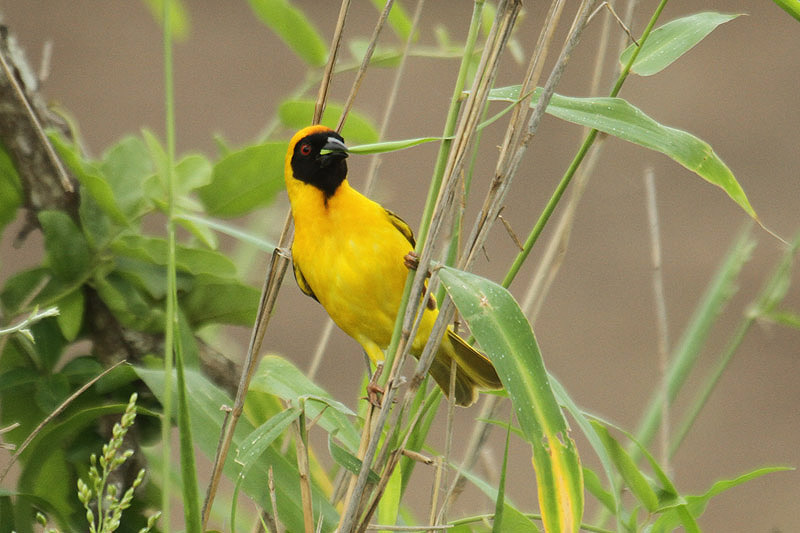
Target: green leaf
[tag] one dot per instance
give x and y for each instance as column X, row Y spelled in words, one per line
column 280, row 377
column 294, row 28
column 220, row 301
column 192, row 172
column 10, row 189
column 348, row 461
column 389, row 504
column 70, row 316
column 245, row 179
column 617, row 117
column 206, row 420
column 131, row 307
column 670, row 41
column 188, row 259
column 67, row 250
column 381, row 56
column 634, row 479
column 672, row 519
column 255, row 444
column 125, row 167
column 390, row 146
column 90, row 177
column 506, row 337
column 790, row 6
column 178, row 17
column 297, row 114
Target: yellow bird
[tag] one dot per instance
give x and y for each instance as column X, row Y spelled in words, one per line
column 348, row 254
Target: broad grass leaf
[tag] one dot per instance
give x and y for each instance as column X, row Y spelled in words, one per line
column 506, row 337
column 206, row 419
column 634, row 479
column 281, row 378
column 669, row 42
column 68, row 254
column 297, row 114
column 244, row 180
column 349, row 461
column 617, row 117
column 294, row 28
column 790, row 6
column 389, row 505
column 257, row 442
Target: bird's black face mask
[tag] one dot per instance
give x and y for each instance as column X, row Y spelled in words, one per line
column 319, row 160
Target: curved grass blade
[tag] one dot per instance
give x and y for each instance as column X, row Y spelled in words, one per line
column 619, row 118
column 669, row 42
column 505, row 335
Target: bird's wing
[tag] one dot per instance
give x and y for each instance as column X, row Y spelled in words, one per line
column 401, row 226
column 301, row 281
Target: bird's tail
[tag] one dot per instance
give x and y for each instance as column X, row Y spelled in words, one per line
column 474, row 370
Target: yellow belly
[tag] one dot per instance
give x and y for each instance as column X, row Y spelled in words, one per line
column 352, row 258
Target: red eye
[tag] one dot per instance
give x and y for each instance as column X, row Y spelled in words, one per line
column 305, row 149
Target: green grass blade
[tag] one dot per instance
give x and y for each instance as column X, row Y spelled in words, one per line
column 505, row 335
column 696, row 505
column 687, row 351
column 619, row 118
column 253, row 447
column 500, row 502
column 670, row 41
column 790, row 6
column 294, row 28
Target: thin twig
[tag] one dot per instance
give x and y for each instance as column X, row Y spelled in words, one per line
column 269, row 293
column 57, row 411
column 362, row 69
column 63, row 177
column 324, row 86
column 661, row 311
column 616, row 17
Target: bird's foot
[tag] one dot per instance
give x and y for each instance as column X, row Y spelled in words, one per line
column 374, row 391
column 411, row 261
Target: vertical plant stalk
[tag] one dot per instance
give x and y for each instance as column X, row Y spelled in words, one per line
column 362, row 69
column 579, row 156
column 166, row 423
column 279, row 263
column 506, row 15
column 687, row 351
column 772, row 293
column 555, row 251
column 516, row 142
column 661, row 313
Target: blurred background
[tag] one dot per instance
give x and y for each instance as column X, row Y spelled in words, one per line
column 737, row 90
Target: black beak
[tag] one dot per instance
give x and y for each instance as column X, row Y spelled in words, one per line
column 334, row 150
